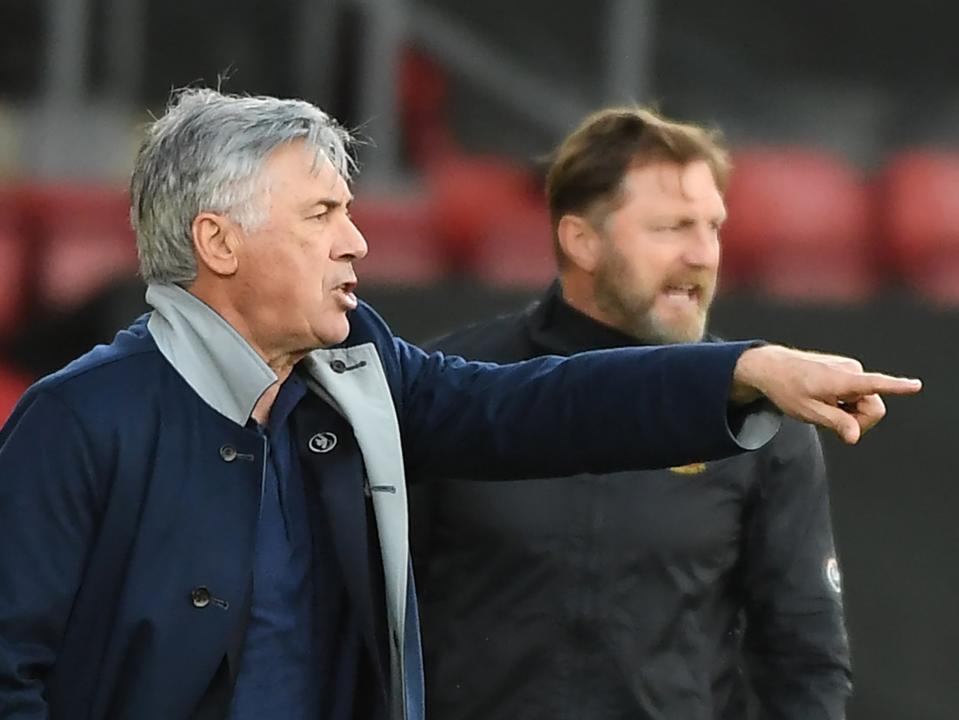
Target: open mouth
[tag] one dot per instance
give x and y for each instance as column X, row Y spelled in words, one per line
column 347, row 293
column 683, row 292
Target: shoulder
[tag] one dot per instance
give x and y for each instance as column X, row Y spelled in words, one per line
column 103, row 382
column 82, row 415
column 502, row 339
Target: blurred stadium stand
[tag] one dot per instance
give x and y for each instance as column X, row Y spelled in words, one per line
column 919, row 212
column 515, row 250
column 82, row 238
column 404, row 248
column 799, row 227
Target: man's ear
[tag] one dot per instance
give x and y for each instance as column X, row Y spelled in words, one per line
column 215, row 240
column 581, row 244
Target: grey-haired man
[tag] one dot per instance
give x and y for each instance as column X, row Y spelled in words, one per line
column 207, row 518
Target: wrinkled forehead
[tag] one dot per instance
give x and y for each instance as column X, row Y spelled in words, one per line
column 299, row 164
column 666, row 181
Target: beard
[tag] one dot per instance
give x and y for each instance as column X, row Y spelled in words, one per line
column 632, row 308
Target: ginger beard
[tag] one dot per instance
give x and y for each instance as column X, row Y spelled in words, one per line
column 657, row 272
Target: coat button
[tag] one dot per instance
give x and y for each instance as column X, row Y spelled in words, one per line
column 200, row 596
column 228, row 453
column 340, row 367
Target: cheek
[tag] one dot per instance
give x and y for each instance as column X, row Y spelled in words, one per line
column 715, row 254
column 648, row 266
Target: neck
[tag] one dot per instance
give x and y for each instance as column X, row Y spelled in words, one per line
column 577, row 290
column 281, row 361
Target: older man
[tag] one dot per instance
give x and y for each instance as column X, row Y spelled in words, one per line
column 207, row 518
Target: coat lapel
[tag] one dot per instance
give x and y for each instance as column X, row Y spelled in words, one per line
column 354, row 382
column 335, row 495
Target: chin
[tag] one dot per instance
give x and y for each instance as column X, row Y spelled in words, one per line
column 673, row 333
column 335, row 332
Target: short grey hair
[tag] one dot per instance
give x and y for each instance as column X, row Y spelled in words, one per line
column 205, row 155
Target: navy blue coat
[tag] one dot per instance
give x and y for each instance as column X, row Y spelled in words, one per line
column 128, row 503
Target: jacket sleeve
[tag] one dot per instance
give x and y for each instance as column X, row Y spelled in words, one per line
column 796, row 646
column 601, row 411
column 46, row 524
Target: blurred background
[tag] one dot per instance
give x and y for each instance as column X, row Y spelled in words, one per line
column 844, row 206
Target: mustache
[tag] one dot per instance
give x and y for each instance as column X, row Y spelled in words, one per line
column 703, row 280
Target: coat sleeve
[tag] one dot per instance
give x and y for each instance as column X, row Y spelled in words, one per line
column 46, row 525
column 796, row 645
column 601, row 411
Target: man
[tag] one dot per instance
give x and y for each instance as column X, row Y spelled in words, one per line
column 207, row 518
column 624, row 595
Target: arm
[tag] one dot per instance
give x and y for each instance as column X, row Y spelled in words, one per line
column 595, row 412
column 796, row 646
column 46, row 525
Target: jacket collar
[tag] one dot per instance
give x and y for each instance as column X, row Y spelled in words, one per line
column 558, row 328
column 207, row 352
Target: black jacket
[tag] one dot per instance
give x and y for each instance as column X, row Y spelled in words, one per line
column 659, row 594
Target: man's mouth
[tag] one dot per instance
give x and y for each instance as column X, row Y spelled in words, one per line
column 347, row 294
column 683, row 292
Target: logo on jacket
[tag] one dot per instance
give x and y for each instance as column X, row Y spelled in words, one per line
column 833, row 576
column 322, row 442
column 691, row 469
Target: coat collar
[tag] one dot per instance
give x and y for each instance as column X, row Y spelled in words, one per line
column 207, row 352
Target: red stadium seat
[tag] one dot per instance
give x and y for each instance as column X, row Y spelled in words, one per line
column 84, row 240
column 516, row 250
column 919, row 205
column 799, row 227
column 422, row 95
column 12, row 386
column 403, row 249
column 14, row 265
column 13, row 279
column 470, row 193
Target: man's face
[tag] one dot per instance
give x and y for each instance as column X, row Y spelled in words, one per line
column 660, row 253
column 295, row 273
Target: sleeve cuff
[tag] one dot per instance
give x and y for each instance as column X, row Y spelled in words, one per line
column 754, row 425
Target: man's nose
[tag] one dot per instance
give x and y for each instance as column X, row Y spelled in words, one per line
column 352, row 244
column 702, row 249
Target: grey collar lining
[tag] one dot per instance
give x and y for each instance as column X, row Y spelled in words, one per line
column 207, row 352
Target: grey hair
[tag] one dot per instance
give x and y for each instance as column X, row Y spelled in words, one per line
column 205, row 155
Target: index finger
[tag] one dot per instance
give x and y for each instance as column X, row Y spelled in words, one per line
column 877, row 383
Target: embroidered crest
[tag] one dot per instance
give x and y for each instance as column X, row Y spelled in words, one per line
column 691, row 469
column 833, row 576
column 322, row 442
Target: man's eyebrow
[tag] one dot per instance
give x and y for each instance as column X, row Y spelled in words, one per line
column 330, row 203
